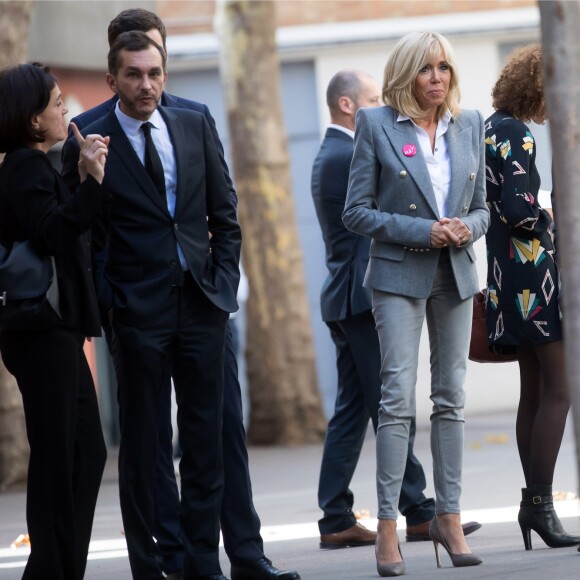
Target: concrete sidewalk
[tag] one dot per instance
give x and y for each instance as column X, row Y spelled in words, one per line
column 285, row 486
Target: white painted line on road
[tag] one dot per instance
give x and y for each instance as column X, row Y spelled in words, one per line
column 117, row 548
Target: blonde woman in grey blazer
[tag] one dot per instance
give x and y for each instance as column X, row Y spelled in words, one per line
column 417, row 188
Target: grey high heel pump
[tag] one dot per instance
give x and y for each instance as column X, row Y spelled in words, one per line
column 394, row 569
column 458, row 560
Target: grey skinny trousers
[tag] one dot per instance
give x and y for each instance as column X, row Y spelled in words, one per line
column 399, row 321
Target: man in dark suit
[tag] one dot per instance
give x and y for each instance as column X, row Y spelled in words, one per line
column 346, row 309
column 239, row 521
column 168, row 289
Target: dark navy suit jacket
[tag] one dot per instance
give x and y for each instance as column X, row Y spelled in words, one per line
column 141, row 263
column 347, row 254
column 167, row 100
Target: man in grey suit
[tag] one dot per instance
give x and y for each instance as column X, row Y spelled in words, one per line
column 346, row 309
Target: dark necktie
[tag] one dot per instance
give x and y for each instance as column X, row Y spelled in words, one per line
column 153, row 163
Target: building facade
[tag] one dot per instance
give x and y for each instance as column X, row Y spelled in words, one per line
column 316, row 38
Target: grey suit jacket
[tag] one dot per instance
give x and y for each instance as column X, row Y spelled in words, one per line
column 391, row 200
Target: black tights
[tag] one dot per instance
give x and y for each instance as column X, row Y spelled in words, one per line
column 542, row 411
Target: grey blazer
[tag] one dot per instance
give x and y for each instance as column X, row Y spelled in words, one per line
column 391, row 200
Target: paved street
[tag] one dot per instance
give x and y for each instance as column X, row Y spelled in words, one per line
column 285, row 482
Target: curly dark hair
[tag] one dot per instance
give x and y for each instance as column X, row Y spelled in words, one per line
column 519, row 90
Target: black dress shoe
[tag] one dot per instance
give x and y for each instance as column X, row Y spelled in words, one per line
column 261, row 569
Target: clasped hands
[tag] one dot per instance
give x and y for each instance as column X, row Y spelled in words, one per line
column 93, row 154
column 449, row 232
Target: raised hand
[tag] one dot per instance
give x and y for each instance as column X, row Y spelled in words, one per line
column 93, row 154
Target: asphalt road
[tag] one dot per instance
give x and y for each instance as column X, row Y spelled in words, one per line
column 285, row 483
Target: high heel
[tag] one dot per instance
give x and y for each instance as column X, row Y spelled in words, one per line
column 393, row 568
column 537, row 513
column 458, row 560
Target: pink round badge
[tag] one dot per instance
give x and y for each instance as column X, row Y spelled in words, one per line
column 409, row 150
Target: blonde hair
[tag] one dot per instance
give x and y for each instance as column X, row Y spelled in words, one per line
column 411, row 54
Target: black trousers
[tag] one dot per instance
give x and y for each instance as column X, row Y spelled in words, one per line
column 67, row 449
column 358, row 361
column 191, row 345
column 239, row 521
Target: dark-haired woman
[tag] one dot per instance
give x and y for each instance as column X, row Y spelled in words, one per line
column 67, row 450
column 523, row 311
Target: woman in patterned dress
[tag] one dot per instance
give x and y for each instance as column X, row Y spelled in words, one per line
column 523, row 312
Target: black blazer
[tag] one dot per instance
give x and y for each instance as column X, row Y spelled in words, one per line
column 141, row 263
column 35, row 204
column 347, row 254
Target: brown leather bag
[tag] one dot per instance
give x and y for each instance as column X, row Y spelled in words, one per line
column 478, row 347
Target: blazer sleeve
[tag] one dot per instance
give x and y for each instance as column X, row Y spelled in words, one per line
column 220, row 150
column 477, row 218
column 69, row 157
column 520, row 210
column 363, row 197
column 51, row 223
column 222, row 220
column 329, row 183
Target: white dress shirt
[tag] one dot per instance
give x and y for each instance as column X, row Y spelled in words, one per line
column 162, row 141
column 341, row 128
column 438, row 160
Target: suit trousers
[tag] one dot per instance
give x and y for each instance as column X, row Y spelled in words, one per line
column 166, row 527
column 191, row 345
column 357, row 400
column 399, row 321
column 67, row 449
column 239, row 521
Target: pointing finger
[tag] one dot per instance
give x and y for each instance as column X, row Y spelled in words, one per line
column 77, row 134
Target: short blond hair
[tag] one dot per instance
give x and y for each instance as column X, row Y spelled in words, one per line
column 411, row 54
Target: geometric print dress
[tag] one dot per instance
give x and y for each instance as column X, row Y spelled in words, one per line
column 523, row 306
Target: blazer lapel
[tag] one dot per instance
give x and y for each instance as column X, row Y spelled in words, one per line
column 177, row 135
column 403, row 134
column 121, row 145
column 458, row 142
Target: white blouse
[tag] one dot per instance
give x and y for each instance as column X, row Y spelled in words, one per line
column 438, row 161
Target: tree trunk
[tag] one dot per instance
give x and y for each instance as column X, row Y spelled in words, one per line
column 285, row 400
column 14, row 449
column 14, row 19
column 560, row 22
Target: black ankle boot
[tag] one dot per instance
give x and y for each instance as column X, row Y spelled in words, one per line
column 537, row 513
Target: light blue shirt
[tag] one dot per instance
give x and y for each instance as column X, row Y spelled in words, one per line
column 162, row 142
